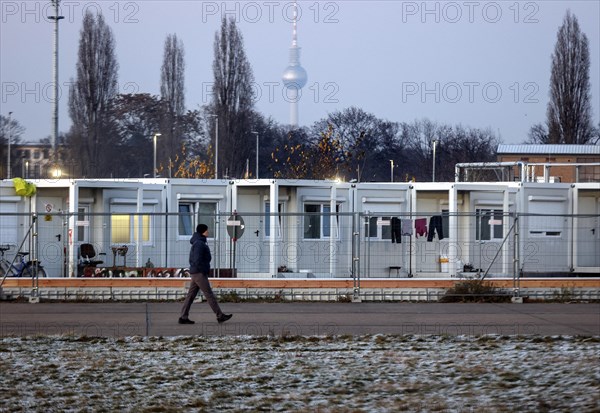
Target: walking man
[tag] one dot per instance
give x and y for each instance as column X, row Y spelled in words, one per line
column 199, row 269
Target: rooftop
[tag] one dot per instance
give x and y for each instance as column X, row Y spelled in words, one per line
column 549, row 149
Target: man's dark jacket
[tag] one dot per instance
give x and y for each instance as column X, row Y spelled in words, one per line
column 199, row 255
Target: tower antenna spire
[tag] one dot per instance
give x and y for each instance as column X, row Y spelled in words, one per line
column 295, row 26
column 294, row 76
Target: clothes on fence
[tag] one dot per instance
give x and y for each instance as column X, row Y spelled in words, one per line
column 435, row 224
column 407, row 227
column 396, row 233
column 421, row 227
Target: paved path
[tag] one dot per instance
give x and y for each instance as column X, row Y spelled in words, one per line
column 160, row 319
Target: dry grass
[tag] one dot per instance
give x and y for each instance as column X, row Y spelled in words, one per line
column 297, row 374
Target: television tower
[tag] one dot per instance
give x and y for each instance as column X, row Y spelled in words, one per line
column 294, row 76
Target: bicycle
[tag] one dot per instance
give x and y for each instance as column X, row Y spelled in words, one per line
column 21, row 268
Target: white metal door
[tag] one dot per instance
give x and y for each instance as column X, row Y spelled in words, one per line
column 51, row 236
column 588, row 237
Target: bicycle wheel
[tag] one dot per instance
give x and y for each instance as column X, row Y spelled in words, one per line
column 30, row 272
column 5, row 269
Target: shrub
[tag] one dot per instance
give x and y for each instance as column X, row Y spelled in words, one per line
column 474, row 291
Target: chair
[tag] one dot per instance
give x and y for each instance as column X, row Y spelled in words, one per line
column 87, row 253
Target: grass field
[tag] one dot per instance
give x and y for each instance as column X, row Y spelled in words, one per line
column 300, row 374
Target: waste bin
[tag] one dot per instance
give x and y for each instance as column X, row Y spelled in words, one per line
column 444, row 263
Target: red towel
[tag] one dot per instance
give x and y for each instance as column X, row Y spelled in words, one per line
column 421, row 227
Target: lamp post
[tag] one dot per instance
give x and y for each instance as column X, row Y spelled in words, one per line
column 154, row 139
column 216, row 146
column 8, row 136
column 433, row 172
column 391, row 170
column 56, row 19
column 256, row 133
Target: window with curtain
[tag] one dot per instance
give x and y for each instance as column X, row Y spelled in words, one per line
column 124, row 223
column 488, row 224
column 267, row 219
column 192, row 213
column 317, row 221
column 378, row 228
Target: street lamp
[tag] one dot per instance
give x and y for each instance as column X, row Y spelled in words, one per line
column 256, row 133
column 433, row 173
column 391, row 170
column 57, row 172
column 154, row 139
column 216, row 145
column 8, row 135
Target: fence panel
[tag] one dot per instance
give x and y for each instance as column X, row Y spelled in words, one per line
column 309, row 245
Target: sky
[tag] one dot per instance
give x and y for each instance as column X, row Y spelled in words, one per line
column 483, row 64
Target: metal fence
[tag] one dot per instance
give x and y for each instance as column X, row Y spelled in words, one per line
column 320, row 244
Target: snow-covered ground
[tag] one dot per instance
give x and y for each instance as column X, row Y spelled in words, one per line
column 304, row 374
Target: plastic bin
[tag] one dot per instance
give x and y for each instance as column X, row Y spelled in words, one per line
column 444, row 263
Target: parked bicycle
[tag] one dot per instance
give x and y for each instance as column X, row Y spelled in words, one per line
column 20, row 268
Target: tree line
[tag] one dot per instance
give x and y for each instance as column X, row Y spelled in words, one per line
column 114, row 135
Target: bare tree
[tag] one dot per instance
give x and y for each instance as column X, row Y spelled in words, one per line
column 12, row 127
column 455, row 144
column 298, row 158
column 8, row 127
column 136, row 118
column 537, row 134
column 232, row 100
column 366, row 141
column 92, row 142
column 569, row 109
column 172, row 91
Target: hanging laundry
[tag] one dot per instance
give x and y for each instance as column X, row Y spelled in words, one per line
column 435, row 224
column 421, row 227
column 407, row 227
column 396, row 233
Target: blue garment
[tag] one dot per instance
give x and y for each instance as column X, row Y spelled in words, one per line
column 199, row 255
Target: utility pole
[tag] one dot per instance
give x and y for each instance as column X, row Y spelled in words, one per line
column 433, row 172
column 9, row 138
column 56, row 19
column 256, row 133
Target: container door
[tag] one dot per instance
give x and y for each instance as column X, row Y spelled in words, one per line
column 51, row 235
column 588, row 237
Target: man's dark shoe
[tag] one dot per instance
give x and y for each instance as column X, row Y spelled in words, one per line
column 185, row 321
column 224, row 317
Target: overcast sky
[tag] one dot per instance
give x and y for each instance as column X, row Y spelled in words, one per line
column 476, row 63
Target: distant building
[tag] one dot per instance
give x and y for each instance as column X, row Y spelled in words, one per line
column 30, row 160
column 562, row 155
